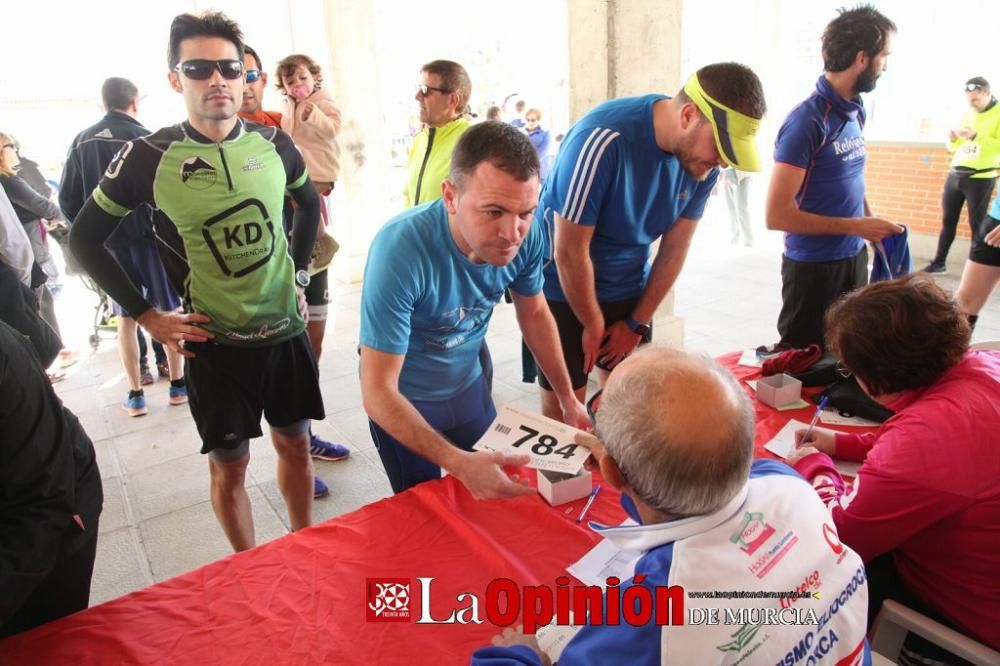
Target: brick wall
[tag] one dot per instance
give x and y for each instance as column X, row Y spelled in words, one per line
column 904, row 183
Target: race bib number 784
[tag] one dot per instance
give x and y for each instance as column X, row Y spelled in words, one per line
column 548, row 442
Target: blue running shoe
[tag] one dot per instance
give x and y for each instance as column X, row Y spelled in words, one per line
column 135, row 405
column 320, row 489
column 320, row 449
column 178, row 395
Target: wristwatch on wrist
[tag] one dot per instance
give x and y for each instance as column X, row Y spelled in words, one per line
column 639, row 328
column 302, row 279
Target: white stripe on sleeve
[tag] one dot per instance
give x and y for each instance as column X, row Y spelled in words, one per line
column 584, row 170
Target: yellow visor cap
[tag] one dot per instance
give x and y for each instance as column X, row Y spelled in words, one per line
column 735, row 133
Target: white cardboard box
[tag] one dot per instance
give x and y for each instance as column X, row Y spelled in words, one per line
column 778, row 390
column 559, row 488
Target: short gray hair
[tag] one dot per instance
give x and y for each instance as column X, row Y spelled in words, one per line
column 681, row 469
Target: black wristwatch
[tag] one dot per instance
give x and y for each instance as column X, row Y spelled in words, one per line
column 639, row 328
column 302, row 278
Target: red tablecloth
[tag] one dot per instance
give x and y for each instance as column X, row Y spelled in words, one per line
column 302, row 598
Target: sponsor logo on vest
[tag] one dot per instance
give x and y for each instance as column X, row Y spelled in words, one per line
column 752, row 533
column 833, row 540
column 198, row 173
column 811, row 649
column 740, row 640
column 811, row 583
column 764, row 564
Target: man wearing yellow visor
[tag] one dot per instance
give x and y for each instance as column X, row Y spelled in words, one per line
column 817, row 191
column 630, row 172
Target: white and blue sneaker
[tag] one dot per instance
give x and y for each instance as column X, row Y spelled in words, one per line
column 320, row 449
column 135, row 403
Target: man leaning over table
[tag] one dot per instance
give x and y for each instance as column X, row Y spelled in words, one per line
column 630, row 172
column 433, row 276
column 675, row 434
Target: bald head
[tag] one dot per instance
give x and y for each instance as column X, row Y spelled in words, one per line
column 680, row 428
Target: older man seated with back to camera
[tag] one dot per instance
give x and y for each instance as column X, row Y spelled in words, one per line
column 675, row 434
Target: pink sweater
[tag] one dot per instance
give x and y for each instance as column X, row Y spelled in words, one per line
column 317, row 136
column 929, row 491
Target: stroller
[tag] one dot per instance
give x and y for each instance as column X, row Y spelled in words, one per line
column 104, row 315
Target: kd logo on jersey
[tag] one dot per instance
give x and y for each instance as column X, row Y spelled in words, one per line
column 241, row 238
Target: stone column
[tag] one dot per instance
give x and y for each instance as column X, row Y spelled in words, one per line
column 619, row 48
column 360, row 204
column 622, row 47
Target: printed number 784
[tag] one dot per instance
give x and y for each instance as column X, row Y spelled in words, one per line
column 545, row 445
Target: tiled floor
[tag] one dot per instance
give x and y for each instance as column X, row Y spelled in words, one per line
column 157, row 519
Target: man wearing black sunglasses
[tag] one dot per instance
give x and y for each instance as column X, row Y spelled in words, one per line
column 220, row 185
column 443, row 93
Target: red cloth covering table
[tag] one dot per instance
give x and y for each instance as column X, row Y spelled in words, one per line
column 301, row 599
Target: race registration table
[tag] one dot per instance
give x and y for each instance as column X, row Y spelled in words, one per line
column 304, row 598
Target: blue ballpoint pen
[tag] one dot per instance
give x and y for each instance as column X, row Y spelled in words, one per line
column 812, row 424
column 586, row 507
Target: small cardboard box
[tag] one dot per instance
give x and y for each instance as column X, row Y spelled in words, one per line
column 558, row 488
column 778, row 390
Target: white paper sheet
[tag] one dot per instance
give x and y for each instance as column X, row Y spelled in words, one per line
column 783, row 443
column 552, row 639
column 605, row 560
column 749, row 359
column 547, row 441
column 600, row 563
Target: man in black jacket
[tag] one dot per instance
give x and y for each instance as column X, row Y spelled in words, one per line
column 133, row 244
column 50, row 495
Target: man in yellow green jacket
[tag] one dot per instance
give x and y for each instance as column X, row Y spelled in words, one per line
column 975, row 148
column 443, row 94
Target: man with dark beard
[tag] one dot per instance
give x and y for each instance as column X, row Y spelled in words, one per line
column 630, row 172
column 817, row 191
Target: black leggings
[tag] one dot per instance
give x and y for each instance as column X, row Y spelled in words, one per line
column 958, row 189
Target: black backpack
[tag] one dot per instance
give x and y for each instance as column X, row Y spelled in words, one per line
column 850, row 400
column 845, row 394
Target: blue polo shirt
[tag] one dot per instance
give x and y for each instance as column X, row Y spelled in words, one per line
column 611, row 175
column 424, row 299
column 995, row 210
column 823, row 136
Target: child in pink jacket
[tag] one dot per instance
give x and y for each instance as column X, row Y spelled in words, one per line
column 311, row 119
